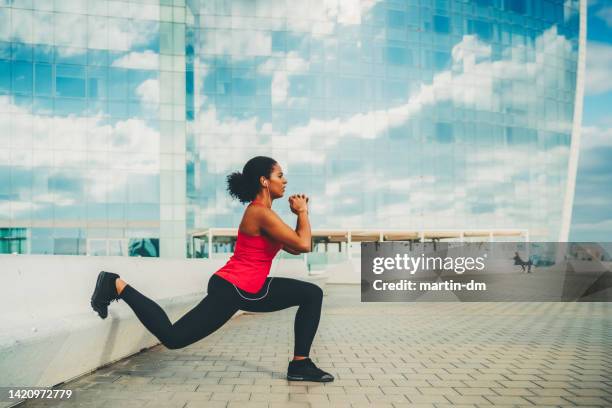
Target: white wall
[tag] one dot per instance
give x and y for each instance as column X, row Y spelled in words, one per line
column 50, row 333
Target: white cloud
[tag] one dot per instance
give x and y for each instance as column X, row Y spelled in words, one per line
column 593, row 137
column 75, row 32
column 138, row 60
column 603, row 226
column 280, row 87
column 291, row 62
column 100, row 151
column 598, row 69
column 433, row 203
column 148, row 91
column 324, row 15
column 239, row 43
column 244, row 37
column 473, row 86
column 281, row 68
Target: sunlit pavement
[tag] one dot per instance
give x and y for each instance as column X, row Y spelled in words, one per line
column 382, row 354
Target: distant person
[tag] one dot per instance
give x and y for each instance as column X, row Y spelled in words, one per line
column 523, row 264
column 243, row 283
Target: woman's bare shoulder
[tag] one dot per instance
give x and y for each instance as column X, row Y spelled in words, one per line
column 252, row 219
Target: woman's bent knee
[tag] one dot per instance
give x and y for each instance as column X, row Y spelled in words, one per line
column 315, row 293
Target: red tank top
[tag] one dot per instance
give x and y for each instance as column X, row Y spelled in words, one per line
column 250, row 264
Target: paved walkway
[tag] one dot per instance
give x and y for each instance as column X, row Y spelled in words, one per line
column 383, row 354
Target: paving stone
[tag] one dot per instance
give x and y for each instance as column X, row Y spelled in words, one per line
column 475, row 391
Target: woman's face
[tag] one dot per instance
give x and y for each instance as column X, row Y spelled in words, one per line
column 277, row 182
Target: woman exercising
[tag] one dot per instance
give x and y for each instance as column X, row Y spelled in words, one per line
column 243, row 282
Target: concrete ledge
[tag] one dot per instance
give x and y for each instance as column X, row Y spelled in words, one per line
column 66, row 347
column 50, row 333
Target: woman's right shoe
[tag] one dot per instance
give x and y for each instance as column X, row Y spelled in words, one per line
column 104, row 293
column 306, row 370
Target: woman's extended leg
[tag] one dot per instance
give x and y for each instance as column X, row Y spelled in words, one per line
column 209, row 315
column 284, row 293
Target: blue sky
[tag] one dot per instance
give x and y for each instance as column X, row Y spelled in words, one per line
column 592, row 216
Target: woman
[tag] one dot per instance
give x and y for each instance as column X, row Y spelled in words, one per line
column 243, row 283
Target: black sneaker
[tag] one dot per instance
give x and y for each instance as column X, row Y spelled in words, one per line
column 104, row 293
column 306, row 370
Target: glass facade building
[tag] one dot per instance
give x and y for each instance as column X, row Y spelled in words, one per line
column 119, row 121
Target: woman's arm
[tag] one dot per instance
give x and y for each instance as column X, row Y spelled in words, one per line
column 291, row 251
column 298, row 240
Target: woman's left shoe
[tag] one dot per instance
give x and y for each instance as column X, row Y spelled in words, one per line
column 104, row 293
column 306, row 370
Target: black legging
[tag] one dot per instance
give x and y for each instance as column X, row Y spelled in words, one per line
column 220, row 304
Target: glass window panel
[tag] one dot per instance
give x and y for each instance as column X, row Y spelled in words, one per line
column 97, row 247
column 69, row 55
column 97, row 57
column 118, row 109
column 243, row 86
column 5, row 76
column 116, row 248
column 22, row 52
column 5, row 182
column 348, row 88
column 118, row 83
column 68, row 106
column 279, row 41
column 43, row 53
column 412, row 17
column 143, row 212
column 143, row 188
column 97, row 36
column 299, row 85
column 76, row 35
column 444, row 132
column 70, row 81
column 97, row 82
column 136, row 79
column 481, row 28
column 165, row 37
column 22, row 77
column 42, row 106
column 5, row 50
column 22, row 25
column 441, row 59
column 295, row 41
column 66, row 86
column 441, row 24
column 5, row 29
column 179, row 39
column 518, row 6
column 396, row 18
column 43, row 79
column 398, row 56
column 42, row 30
column 68, row 246
column 23, row 101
